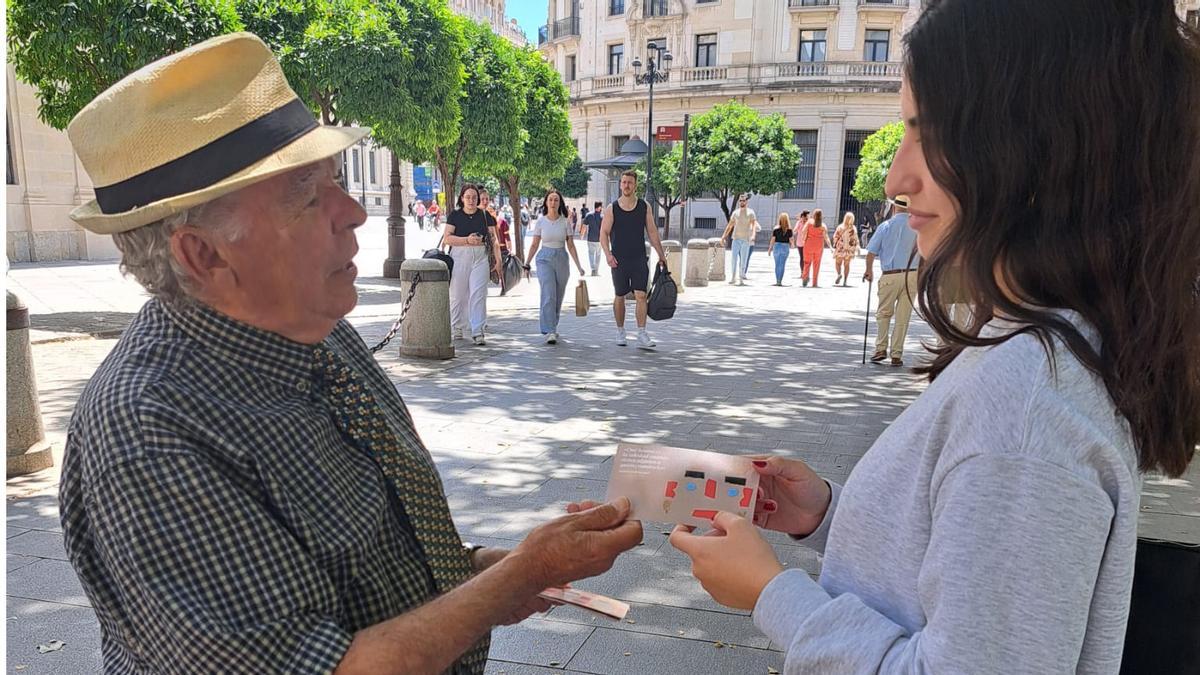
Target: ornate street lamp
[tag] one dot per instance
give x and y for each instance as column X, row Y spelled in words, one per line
column 658, row 66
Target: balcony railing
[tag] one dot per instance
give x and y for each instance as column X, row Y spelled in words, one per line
column 558, row 30
column 768, row 74
column 809, row 4
column 658, row 8
column 883, row 3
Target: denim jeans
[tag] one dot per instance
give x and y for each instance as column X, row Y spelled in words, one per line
column 739, row 259
column 594, row 256
column 781, row 252
column 552, row 272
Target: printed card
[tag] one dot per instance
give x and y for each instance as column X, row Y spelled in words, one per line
column 593, row 602
column 677, row 485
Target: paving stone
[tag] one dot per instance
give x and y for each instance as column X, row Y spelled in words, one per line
column 39, row 512
column 693, row 624
column 604, row 653
column 495, row 667
column 537, row 641
column 38, row 544
column 49, row 581
column 16, row 562
column 33, row 623
column 14, row 531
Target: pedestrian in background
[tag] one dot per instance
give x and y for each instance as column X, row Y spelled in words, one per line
column 574, row 215
column 816, row 239
column 554, row 236
column 798, row 238
column 781, row 246
column 467, row 234
column 894, row 244
column 420, row 214
column 845, row 247
column 741, row 229
column 591, row 226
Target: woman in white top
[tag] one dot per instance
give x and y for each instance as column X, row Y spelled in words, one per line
column 552, row 233
column 992, row 527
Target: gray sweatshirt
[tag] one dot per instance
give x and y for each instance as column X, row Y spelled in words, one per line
column 990, row 529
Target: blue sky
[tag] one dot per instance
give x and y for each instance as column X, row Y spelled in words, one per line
column 529, row 14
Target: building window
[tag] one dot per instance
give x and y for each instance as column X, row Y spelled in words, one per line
column 656, row 7
column 618, row 141
column 371, row 166
column 616, row 7
column 706, row 50
column 875, row 47
column 812, row 46
column 10, row 171
column 378, row 201
column 616, row 59
column 705, row 223
column 570, row 68
column 357, row 169
column 655, row 47
column 806, row 172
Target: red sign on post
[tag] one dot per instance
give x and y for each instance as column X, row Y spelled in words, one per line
column 669, row 133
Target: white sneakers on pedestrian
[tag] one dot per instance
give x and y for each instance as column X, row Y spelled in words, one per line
column 621, row 337
column 456, row 334
column 478, row 339
column 644, row 341
column 552, row 338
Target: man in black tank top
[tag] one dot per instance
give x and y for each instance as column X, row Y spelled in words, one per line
column 627, row 222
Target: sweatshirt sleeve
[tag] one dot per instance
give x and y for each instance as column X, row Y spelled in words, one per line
column 1006, row 586
column 817, row 538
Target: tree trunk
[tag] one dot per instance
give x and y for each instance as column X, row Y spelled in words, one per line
column 513, row 185
column 667, row 227
column 395, row 222
column 726, row 206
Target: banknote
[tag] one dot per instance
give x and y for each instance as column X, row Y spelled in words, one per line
column 594, row 602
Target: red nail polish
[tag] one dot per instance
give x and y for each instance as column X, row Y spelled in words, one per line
column 770, row 506
column 760, row 463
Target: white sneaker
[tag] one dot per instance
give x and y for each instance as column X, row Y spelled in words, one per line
column 456, row 334
column 552, row 338
column 621, row 337
column 478, row 339
column 644, row 341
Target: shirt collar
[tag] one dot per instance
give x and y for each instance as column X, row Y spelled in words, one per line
column 260, row 350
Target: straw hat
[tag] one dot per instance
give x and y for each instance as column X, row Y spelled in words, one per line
column 191, row 127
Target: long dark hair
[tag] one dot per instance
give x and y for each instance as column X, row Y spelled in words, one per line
column 562, row 203
column 463, row 190
column 1069, row 137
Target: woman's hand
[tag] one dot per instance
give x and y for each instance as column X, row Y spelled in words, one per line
column 580, row 268
column 474, row 239
column 792, row 498
column 732, row 562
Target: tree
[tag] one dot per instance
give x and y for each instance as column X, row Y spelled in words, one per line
column 876, row 160
column 72, row 51
column 546, row 148
column 574, row 181
column 667, row 196
column 734, row 149
column 489, row 132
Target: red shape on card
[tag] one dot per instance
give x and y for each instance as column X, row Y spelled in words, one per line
column 707, row 514
column 746, row 495
column 671, row 485
column 710, row 489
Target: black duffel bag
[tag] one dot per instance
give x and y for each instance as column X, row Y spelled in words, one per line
column 513, row 270
column 1163, row 635
column 436, row 254
column 663, row 294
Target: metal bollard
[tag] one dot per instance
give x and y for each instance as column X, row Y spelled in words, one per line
column 716, row 268
column 425, row 333
column 28, row 450
column 698, row 255
column 674, row 251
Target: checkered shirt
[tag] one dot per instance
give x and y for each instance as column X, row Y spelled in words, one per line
column 216, row 516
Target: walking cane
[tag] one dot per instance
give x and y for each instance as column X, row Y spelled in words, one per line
column 867, row 320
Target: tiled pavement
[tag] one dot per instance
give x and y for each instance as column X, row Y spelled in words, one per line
column 519, row 429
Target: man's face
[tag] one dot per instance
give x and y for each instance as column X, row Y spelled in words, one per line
column 742, row 202
column 628, row 185
column 293, row 270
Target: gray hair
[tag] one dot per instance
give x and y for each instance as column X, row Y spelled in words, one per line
column 146, row 251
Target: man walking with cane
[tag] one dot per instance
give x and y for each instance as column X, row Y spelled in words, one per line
column 894, row 243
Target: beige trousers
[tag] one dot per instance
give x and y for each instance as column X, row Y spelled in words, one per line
column 896, row 293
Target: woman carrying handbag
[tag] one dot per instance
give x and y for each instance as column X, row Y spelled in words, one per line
column 469, row 233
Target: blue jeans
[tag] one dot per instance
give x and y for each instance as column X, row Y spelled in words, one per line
column 781, row 252
column 739, row 259
column 552, row 272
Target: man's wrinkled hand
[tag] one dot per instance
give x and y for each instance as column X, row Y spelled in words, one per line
column 578, row 545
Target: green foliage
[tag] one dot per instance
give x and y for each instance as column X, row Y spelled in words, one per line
column 667, row 162
column 490, row 133
column 72, row 51
column 877, row 154
column 573, row 184
column 734, row 149
column 489, row 183
column 548, row 149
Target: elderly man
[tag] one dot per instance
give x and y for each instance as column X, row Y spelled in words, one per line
column 895, row 244
column 243, row 487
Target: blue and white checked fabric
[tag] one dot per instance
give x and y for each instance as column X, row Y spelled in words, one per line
column 218, row 519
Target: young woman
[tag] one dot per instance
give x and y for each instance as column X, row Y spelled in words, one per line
column 798, row 239
column 845, row 247
column 781, row 246
column 816, row 240
column 553, row 234
column 992, row 528
column 468, row 230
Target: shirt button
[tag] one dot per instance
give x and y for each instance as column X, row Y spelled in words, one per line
column 302, row 386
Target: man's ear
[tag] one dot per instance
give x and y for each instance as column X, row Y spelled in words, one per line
column 196, row 251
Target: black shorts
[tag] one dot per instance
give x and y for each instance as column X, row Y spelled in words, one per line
column 630, row 275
